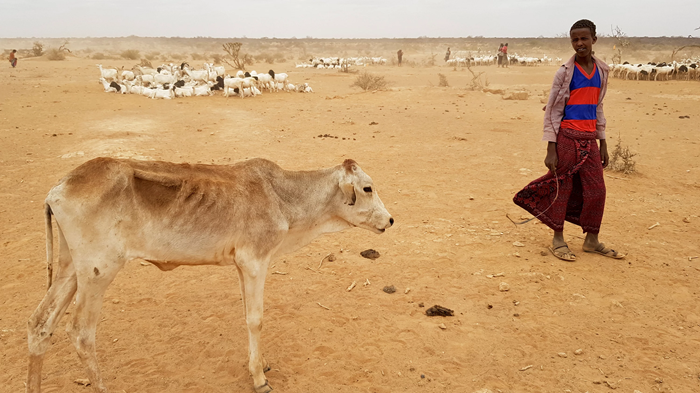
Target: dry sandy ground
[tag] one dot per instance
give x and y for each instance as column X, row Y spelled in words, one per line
column 446, row 162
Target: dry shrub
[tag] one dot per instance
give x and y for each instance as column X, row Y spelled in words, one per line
column 152, row 55
column 98, row 56
column 146, row 63
column 265, row 58
column 55, row 54
column 621, row 160
column 217, row 58
column 443, row 80
column 270, row 58
column 197, row 56
column 38, row 49
column 479, row 81
column 131, row 54
column 234, row 57
column 367, row 81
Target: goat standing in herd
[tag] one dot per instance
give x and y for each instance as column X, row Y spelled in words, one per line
column 110, row 211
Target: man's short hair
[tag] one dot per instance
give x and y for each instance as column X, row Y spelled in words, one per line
column 584, row 24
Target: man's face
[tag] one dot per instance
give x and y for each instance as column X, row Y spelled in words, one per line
column 582, row 41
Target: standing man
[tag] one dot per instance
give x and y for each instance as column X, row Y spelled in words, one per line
column 399, row 54
column 505, row 55
column 13, row 58
column 574, row 188
column 447, row 54
column 500, row 55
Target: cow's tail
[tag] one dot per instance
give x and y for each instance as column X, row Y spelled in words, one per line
column 49, row 245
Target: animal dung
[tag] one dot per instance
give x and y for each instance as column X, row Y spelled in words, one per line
column 370, row 254
column 441, row 311
column 389, row 289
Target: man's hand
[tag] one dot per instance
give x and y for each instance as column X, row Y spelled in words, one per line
column 551, row 161
column 604, row 157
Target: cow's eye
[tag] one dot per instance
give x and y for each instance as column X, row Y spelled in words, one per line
column 367, row 189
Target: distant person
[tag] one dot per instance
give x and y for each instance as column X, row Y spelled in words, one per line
column 574, row 189
column 504, row 50
column 399, row 54
column 499, row 54
column 447, row 54
column 13, row 58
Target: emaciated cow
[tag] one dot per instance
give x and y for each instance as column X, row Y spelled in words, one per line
column 110, row 211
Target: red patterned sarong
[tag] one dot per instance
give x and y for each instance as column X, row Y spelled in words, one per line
column 581, row 199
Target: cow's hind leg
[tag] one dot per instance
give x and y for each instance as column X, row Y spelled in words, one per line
column 45, row 318
column 94, row 276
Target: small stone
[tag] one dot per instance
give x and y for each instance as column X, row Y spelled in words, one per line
column 543, row 253
column 442, row 326
column 370, row 254
column 115, row 301
column 389, row 289
column 82, row 381
column 421, row 304
column 563, row 355
column 578, row 351
column 518, row 244
column 686, row 220
column 503, row 287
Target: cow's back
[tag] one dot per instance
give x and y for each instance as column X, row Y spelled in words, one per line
column 168, row 208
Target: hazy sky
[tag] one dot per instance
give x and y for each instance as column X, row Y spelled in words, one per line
column 342, row 19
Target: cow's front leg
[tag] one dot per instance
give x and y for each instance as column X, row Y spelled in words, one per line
column 254, row 284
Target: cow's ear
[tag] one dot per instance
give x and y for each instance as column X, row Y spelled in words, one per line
column 348, row 190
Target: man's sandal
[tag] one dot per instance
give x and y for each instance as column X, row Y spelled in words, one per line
column 564, row 255
column 606, row 252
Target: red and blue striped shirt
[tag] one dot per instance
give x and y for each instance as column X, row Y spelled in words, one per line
column 584, row 91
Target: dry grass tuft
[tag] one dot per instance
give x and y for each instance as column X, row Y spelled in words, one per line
column 443, row 80
column 621, row 159
column 367, row 81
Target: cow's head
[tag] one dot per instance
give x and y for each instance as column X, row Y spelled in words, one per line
column 364, row 208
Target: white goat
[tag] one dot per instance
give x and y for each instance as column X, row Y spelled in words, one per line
column 109, row 74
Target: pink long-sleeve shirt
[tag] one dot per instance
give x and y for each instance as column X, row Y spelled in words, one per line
column 559, row 96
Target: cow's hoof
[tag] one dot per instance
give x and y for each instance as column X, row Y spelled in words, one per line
column 264, row 388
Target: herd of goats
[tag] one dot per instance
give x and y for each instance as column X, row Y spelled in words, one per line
column 169, row 81
column 685, row 70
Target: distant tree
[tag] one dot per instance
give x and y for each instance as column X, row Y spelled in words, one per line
column 234, row 57
column 622, row 43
